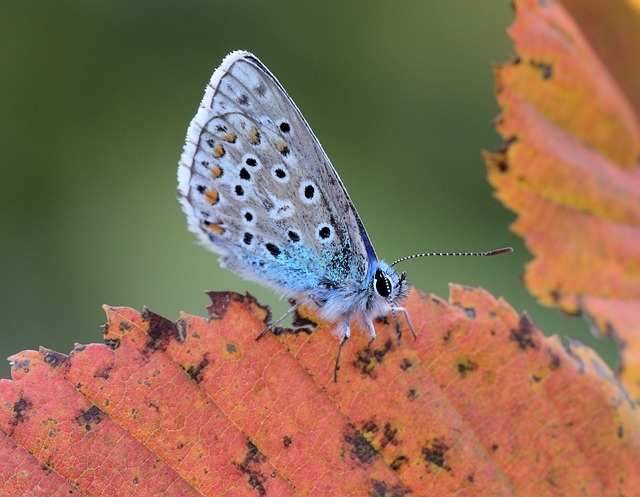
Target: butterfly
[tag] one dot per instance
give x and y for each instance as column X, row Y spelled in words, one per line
column 257, row 188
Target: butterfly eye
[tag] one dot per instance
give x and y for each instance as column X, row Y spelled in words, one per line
column 383, row 285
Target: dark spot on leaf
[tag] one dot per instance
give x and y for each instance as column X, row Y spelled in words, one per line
column 370, row 427
column 286, row 441
column 536, row 378
column 412, row 394
column 494, row 447
column 195, row 371
column 250, row 466
column 545, row 68
column 383, row 489
column 397, row 463
column 359, row 446
column 388, row 436
column 435, row 453
column 470, row 478
column 369, row 358
column 112, row 343
column 620, row 431
column 466, row 366
column 382, row 320
column 90, row 417
column 125, row 325
column 554, row 360
column 104, row 373
column 405, row 364
column 447, row 336
column 19, row 409
column 523, row 336
column 470, row 312
column 55, row 358
column 220, row 302
column 160, row 331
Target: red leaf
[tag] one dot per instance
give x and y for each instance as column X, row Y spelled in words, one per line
column 481, row 403
column 570, row 170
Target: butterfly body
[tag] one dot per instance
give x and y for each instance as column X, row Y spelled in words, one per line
column 257, row 188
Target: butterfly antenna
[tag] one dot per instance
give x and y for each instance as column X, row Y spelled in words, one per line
column 488, row 253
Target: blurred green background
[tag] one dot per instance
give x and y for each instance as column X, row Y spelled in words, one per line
column 95, row 99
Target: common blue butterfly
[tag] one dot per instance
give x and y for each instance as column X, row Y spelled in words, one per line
column 258, row 189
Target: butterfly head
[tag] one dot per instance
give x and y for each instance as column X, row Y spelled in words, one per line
column 389, row 286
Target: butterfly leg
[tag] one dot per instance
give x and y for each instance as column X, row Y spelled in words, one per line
column 372, row 332
column 347, row 334
column 279, row 320
column 406, row 316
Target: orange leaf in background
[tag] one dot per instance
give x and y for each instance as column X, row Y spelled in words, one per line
column 570, row 170
column 480, row 404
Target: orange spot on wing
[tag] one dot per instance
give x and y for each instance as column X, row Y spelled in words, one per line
column 212, row 196
column 216, row 228
column 229, row 137
column 216, row 171
column 218, row 151
column 254, row 136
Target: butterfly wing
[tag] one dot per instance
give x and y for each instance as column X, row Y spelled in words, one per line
column 258, row 188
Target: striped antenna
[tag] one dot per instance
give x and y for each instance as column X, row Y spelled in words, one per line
column 488, row 253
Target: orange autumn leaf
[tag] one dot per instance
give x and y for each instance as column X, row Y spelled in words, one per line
column 569, row 168
column 481, row 403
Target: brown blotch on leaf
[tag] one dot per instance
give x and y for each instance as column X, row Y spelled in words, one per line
column 398, row 462
column 545, row 68
column 160, row 330
column 220, row 301
column 405, row 364
column 523, row 335
column 469, row 311
column 54, row 358
column 105, row 373
column 125, row 325
column 383, row 489
column 250, row 467
column 435, row 453
column 112, row 343
column 412, row 394
column 90, row 417
column 466, row 366
column 554, row 360
column 388, row 435
column 368, row 358
column 195, row 371
column 359, row 446
column 19, row 411
column 286, row 441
